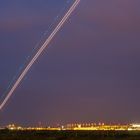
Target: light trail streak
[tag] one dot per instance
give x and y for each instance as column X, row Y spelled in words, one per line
column 43, row 47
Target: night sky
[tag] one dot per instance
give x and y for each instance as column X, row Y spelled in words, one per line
column 89, row 73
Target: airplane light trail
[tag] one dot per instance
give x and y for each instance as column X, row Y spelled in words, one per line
column 43, row 47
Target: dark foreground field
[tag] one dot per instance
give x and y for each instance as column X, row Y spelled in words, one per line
column 69, row 135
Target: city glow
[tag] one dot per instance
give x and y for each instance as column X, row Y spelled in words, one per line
column 84, row 127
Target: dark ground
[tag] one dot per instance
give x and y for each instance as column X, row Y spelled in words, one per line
column 69, row 135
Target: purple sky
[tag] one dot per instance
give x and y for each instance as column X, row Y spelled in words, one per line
column 90, row 72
